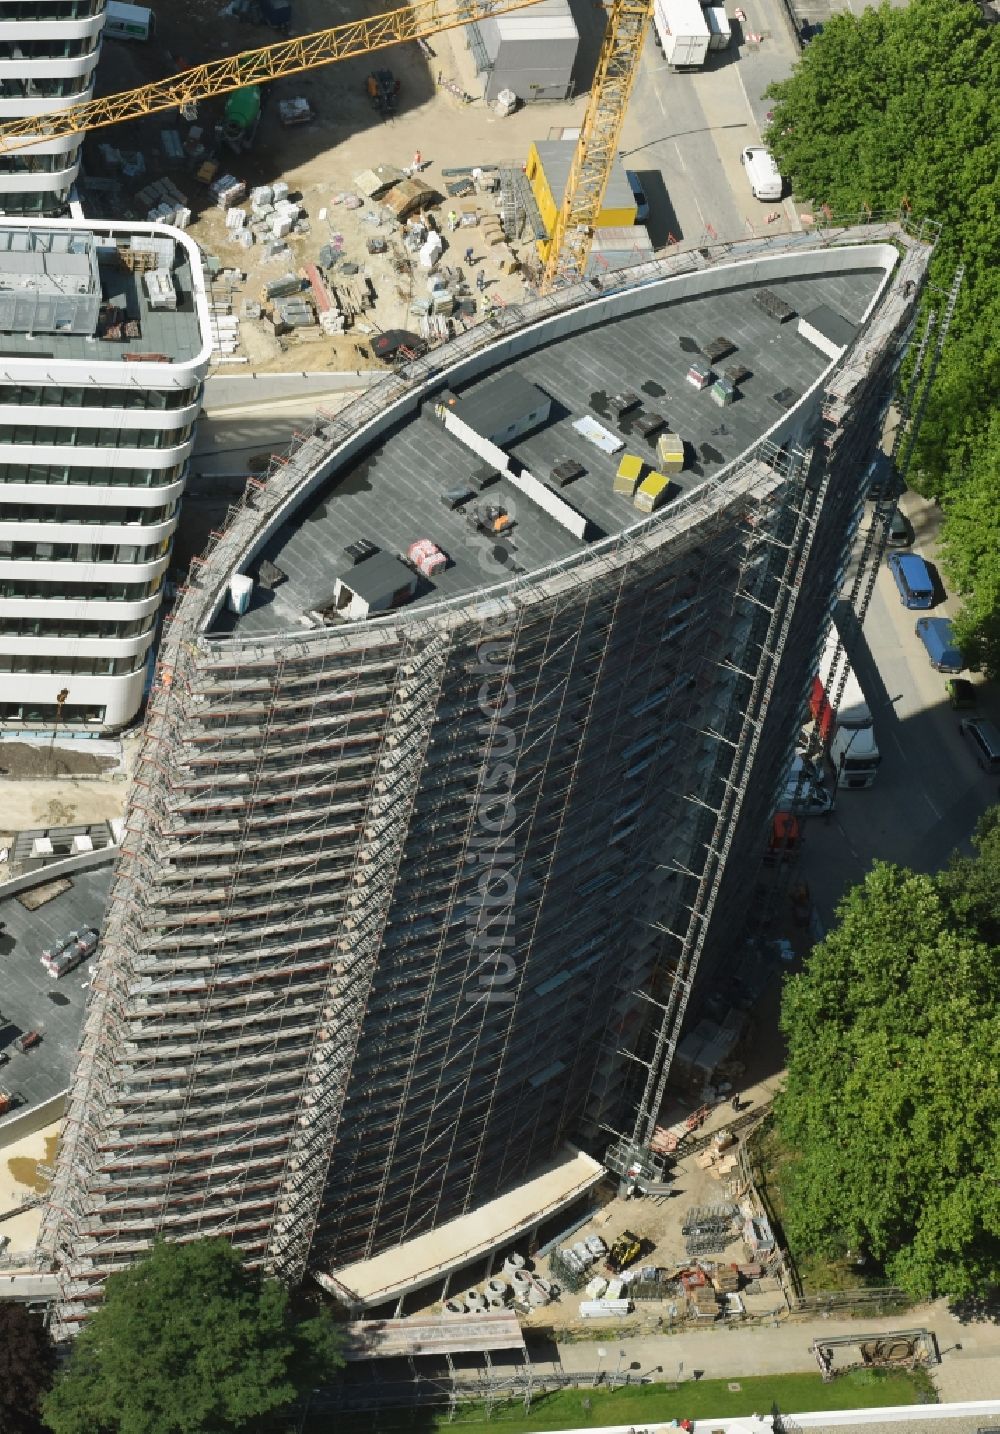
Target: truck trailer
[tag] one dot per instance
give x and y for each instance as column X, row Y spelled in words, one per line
column 682, row 33
column 847, row 730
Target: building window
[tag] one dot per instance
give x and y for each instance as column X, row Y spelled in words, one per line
column 41, row 662
column 127, row 399
column 72, row 714
column 34, row 435
column 92, row 477
column 84, row 513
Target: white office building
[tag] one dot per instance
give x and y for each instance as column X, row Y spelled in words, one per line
column 48, row 57
column 104, row 343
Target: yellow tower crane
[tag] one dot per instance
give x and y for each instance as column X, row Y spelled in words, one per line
column 592, row 161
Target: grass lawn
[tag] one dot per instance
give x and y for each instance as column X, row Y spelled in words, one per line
column 657, row 1404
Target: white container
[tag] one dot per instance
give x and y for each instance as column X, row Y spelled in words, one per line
column 597, row 1287
column 240, row 589
column 683, row 33
column 719, row 26
column 513, row 1262
column 604, row 1309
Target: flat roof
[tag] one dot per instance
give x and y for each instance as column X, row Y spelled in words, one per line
column 31, row 999
column 556, row 157
column 391, row 491
column 175, row 334
column 379, row 576
column 458, row 1242
column 432, row 1335
column 504, row 399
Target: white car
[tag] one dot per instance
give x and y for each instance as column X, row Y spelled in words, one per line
column 804, row 792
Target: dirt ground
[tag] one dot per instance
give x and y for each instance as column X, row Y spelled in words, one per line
column 25, row 759
column 65, row 788
column 319, row 161
column 19, row 1178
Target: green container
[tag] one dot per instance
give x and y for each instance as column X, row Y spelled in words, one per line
column 243, row 107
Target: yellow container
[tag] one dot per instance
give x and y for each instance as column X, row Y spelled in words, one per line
column 629, row 475
column 670, row 452
column 652, row 492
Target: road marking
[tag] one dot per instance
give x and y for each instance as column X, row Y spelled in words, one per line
column 694, row 196
column 746, row 97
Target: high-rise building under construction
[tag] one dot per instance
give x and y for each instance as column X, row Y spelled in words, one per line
column 459, row 767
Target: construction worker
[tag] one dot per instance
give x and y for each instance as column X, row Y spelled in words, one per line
column 452, row 221
column 480, row 279
column 469, row 257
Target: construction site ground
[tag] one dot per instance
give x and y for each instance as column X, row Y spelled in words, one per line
column 63, row 785
column 21, row 1179
column 319, row 161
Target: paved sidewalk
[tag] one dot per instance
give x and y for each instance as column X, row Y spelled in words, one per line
column 969, row 1368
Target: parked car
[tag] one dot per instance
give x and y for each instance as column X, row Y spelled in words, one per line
column 807, row 799
column 639, row 195
column 900, row 531
column 984, row 739
column 913, row 578
column 961, row 694
column 939, row 643
column 765, row 178
column 881, row 479
column 27, row 1039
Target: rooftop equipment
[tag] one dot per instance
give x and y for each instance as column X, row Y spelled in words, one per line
column 652, row 493
column 629, row 475
column 670, row 453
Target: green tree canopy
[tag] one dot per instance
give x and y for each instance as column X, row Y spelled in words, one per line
column 189, row 1341
column 894, row 1049
column 897, row 108
column 27, row 1362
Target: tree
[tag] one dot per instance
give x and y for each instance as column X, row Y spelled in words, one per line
column 971, row 884
column 895, row 109
column 890, row 1107
column 27, row 1363
column 970, row 550
column 189, row 1341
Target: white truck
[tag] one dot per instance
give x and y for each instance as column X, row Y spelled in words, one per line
column 848, row 727
column 682, row 33
column 721, row 31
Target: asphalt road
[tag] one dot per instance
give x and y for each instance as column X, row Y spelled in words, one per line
column 929, row 791
column 684, row 132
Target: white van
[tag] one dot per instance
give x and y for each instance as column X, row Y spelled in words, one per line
column 762, row 172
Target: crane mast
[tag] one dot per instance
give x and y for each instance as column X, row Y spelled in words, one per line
column 596, row 151
column 597, row 148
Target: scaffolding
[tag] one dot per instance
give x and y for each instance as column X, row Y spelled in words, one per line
column 287, row 971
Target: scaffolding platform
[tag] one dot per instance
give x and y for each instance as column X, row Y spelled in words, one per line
column 428, row 1258
column 437, row 1335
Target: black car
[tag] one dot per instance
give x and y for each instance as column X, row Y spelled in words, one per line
column 881, row 479
column 900, row 531
column 390, row 345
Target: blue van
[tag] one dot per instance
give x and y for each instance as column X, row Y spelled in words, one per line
column 913, row 578
column 939, row 642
